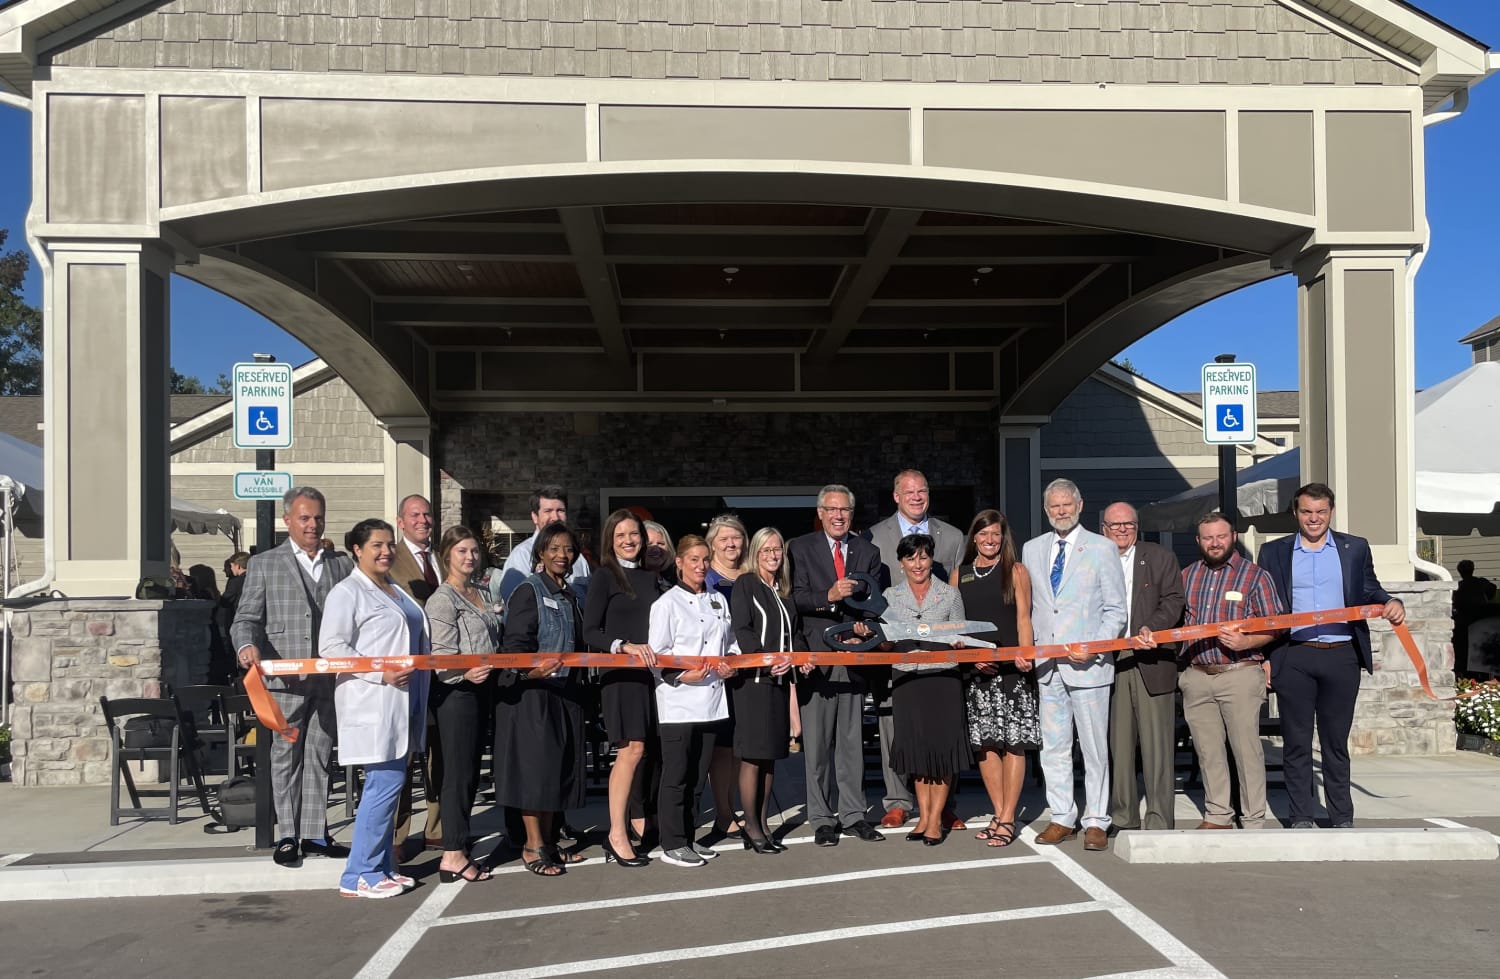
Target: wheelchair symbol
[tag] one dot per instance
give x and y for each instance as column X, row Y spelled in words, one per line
column 1231, row 418
column 264, row 421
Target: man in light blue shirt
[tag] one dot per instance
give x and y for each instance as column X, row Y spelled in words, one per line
column 548, row 504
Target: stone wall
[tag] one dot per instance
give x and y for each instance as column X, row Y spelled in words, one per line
column 66, row 654
column 1393, row 715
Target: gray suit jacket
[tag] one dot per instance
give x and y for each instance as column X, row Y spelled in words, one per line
column 1156, row 601
column 274, row 614
column 948, row 551
column 1089, row 604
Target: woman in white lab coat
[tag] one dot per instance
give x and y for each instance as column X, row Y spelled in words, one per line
column 381, row 714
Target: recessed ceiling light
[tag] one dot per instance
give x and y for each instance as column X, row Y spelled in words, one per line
column 984, row 270
column 731, row 270
column 465, row 267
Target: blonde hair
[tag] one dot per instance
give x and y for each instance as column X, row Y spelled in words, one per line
column 783, row 584
column 719, row 523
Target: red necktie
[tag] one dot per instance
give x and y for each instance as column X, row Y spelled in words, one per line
column 838, row 559
column 428, row 574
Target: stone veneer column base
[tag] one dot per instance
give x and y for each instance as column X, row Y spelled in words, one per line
column 1393, row 715
column 68, row 653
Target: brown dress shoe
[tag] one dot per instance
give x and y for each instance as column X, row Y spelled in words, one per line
column 1095, row 838
column 894, row 817
column 1208, row 825
column 1055, row 833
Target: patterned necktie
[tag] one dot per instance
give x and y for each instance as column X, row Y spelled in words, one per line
column 1057, row 564
column 430, row 575
column 838, row 559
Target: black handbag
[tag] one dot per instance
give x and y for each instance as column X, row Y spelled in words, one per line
column 237, row 802
column 147, row 732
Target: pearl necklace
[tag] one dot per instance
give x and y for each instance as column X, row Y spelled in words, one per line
column 981, row 575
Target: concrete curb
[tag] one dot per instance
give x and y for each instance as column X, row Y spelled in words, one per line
column 1304, row 846
column 169, row 878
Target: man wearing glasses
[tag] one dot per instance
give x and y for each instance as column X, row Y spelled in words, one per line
column 1143, row 704
column 832, row 697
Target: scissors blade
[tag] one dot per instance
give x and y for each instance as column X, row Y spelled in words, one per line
column 938, row 631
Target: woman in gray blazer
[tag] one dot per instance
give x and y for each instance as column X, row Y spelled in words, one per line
column 462, row 621
column 931, row 743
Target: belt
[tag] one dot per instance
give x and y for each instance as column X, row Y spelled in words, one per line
column 1214, row 669
column 1320, row 645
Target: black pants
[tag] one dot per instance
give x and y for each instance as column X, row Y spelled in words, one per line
column 1317, row 685
column 686, row 750
column 460, row 710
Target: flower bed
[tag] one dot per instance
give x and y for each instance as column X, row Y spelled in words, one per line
column 1477, row 716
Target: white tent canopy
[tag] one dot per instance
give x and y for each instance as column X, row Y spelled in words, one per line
column 1457, row 461
column 22, row 462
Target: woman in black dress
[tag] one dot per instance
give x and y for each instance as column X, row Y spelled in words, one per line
column 617, row 619
column 539, row 744
column 764, row 621
column 1001, row 698
column 931, row 744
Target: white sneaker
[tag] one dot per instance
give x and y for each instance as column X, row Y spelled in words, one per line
column 386, row 888
column 707, row 853
column 683, row 857
column 407, row 883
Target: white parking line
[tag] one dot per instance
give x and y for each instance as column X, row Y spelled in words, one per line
column 1451, row 824
column 390, row 956
column 789, row 941
column 757, row 888
column 11, row 858
column 1187, row 963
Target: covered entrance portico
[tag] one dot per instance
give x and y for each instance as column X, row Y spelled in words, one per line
column 719, row 245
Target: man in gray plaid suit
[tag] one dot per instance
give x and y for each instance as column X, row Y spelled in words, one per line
column 280, row 610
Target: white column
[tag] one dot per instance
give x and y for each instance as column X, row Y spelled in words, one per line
column 107, row 342
column 408, row 461
column 1358, row 383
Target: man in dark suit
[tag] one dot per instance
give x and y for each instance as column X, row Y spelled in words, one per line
column 417, row 569
column 910, row 491
column 832, row 697
column 1315, row 670
column 1142, row 709
column 278, row 617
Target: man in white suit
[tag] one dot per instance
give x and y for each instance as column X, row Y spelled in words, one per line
column 1077, row 595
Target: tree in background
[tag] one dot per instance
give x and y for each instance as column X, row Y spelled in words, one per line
column 188, row 384
column 20, row 327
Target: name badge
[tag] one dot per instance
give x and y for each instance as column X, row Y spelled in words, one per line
column 550, row 603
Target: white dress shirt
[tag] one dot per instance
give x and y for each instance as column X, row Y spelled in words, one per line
column 312, row 564
column 1127, row 564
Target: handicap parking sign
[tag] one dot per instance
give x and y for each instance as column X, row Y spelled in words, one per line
column 265, row 420
column 1230, row 418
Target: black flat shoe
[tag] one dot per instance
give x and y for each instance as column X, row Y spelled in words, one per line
column 776, row 844
column 929, row 841
column 286, row 853
column 318, row 848
column 610, row 856
column 914, row 836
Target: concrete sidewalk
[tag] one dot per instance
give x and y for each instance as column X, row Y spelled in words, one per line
column 65, row 831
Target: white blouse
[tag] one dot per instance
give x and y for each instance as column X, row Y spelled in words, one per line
column 685, row 624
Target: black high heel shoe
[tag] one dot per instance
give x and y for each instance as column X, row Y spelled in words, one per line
column 764, row 846
column 914, row 836
column 610, row 856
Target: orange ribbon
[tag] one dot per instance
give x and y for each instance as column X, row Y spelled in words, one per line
column 270, row 714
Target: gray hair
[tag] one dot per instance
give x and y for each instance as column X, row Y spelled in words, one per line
column 301, row 493
column 836, row 488
column 650, row 525
column 1062, row 486
column 1134, row 513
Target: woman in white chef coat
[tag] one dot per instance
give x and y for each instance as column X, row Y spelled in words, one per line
column 381, row 713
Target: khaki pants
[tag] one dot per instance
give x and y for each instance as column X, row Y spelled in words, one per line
column 1220, row 706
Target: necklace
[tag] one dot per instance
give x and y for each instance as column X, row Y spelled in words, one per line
column 986, row 572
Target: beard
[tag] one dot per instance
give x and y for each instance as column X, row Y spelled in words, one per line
column 1209, row 561
column 1063, row 527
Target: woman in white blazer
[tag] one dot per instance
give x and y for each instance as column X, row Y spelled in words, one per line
column 381, row 714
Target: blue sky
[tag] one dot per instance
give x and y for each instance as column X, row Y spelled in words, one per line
column 1457, row 290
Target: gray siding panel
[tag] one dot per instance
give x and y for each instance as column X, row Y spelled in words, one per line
column 1247, row 42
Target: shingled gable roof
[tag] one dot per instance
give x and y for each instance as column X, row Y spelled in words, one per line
column 1445, row 61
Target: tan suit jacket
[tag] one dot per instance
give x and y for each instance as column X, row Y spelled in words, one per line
column 406, row 572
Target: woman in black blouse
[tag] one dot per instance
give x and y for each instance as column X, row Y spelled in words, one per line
column 764, row 621
column 617, row 619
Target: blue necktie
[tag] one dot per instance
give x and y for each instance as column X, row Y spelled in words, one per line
column 1057, row 564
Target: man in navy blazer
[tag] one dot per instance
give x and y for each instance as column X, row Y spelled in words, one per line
column 1315, row 670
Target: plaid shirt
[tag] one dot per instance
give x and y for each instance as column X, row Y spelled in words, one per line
column 1206, row 588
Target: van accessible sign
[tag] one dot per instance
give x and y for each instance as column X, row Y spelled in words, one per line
column 1229, row 404
column 261, row 484
column 262, row 406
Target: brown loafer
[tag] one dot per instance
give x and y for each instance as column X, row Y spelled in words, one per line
column 894, row 818
column 1208, row 825
column 1055, row 833
column 1095, row 838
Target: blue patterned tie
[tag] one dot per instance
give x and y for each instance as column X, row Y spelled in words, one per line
column 1057, row 565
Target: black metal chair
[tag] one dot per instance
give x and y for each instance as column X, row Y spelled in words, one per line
column 239, row 715
column 162, row 733
column 205, row 703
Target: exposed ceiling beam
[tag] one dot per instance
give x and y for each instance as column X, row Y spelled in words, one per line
column 584, row 228
column 438, row 246
column 888, row 231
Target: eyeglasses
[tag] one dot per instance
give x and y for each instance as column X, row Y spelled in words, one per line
column 1122, row 525
column 769, row 551
column 837, row 509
